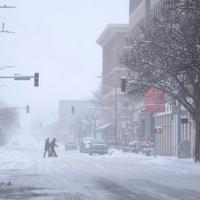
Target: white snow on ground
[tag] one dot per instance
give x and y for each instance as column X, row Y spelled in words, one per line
column 115, row 176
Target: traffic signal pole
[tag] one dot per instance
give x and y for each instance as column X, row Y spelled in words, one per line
column 27, row 108
column 24, row 78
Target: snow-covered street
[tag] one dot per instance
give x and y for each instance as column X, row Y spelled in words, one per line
column 24, row 174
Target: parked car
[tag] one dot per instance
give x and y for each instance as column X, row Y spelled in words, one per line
column 132, row 147
column 98, row 148
column 85, row 144
column 70, row 146
column 147, row 148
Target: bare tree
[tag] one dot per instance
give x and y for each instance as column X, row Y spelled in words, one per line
column 167, row 56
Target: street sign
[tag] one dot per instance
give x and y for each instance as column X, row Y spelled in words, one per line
column 22, row 78
column 158, row 130
column 154, row 100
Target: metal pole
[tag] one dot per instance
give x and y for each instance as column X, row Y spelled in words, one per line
column 132, row 124
column 179, row 130
column 95, row 135
column 147, row 15
column 153, row 122
column 116, row 118
column 154, row 135
column 17, row 77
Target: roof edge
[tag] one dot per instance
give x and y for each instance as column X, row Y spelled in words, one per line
column 109, row 30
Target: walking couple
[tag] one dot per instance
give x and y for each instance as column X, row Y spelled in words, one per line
column 50, row 147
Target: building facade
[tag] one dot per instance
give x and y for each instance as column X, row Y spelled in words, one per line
column 78, row 118
column 112, row 40
column 177, row 128
column 177, row 136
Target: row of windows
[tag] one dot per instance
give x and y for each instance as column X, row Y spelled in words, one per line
column 162, row 4
column 156, row 11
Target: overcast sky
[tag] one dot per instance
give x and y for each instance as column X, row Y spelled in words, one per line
column 58, row 40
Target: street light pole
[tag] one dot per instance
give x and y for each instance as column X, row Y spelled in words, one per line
column 7, row 6
column 4, row 67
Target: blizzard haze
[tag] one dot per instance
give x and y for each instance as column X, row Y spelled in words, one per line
column 58, row 40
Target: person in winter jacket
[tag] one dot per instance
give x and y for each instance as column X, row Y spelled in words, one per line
column 47, row 147
column 52, row 147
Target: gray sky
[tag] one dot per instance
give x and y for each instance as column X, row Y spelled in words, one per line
column 58, row 40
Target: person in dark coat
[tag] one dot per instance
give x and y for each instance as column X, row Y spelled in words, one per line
column 47, row 147
column 52, row 147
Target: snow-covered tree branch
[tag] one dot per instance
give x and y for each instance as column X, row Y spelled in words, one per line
column 168, row 57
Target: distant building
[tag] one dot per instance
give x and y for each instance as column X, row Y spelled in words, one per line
column 77, row 118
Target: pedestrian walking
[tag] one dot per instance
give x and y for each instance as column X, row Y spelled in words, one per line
column 3, row 27
column 52, row 147
column 47, row 147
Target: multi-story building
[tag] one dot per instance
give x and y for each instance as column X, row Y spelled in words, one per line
column 112, row 40
column 174, row 135
column 139, row 11
column 172, row 139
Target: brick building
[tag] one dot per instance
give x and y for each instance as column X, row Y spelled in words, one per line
column 112, row 40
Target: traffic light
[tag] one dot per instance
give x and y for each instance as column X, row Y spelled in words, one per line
column 158, row 130
column 27, row 109
column 123, row 84
column 36, row 79
column 72, row 109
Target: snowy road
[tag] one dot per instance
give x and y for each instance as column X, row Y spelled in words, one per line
column 75, row 176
